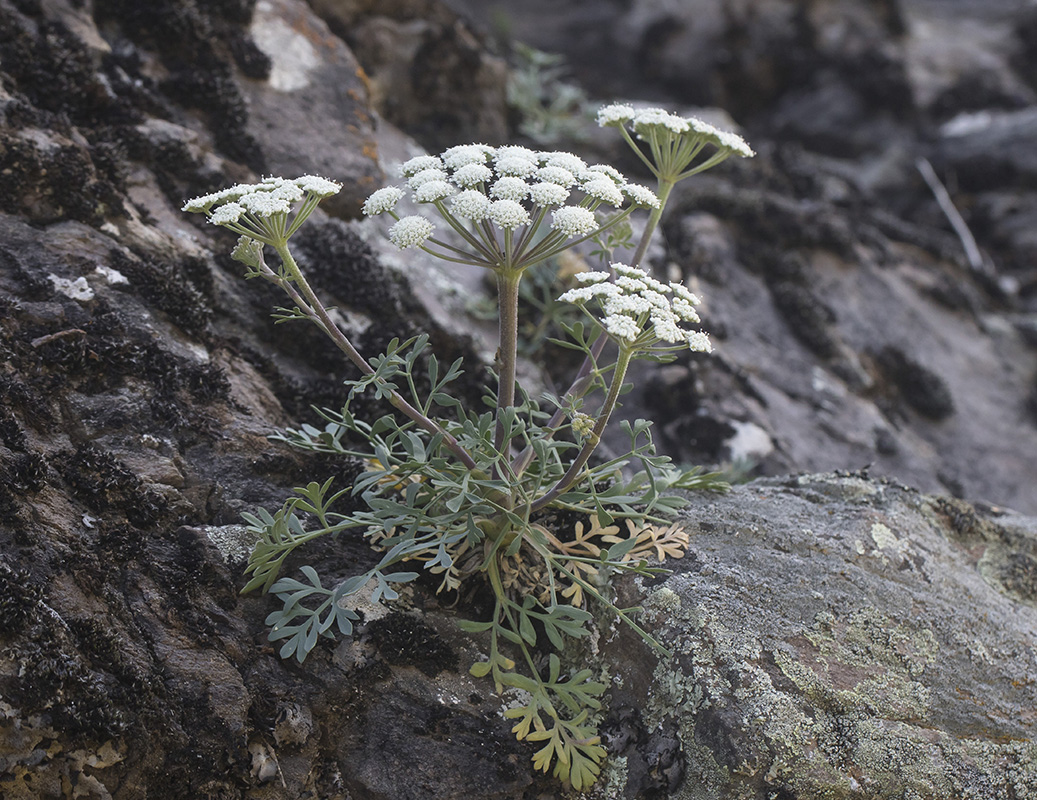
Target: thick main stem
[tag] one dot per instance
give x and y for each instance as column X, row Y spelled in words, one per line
column 573, row 473
column 507, row 352
column 343, row 343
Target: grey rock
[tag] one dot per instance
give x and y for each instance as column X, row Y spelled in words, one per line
column 828, row 630
column 429, row 72
column 840, row 637
column 311, row 114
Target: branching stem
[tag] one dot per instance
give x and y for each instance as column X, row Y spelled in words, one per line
column 324, row 321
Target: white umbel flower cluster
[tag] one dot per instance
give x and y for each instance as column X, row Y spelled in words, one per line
column 261, row 211
column 477, row 188
column 410, row 232
column 639, row 310
column 672, row 133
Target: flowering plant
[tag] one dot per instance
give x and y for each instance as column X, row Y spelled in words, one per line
column 467, row 493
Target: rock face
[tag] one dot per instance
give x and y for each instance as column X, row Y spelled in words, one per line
column 833, row 636
column 839, row 637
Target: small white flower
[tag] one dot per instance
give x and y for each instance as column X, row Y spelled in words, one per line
column 577, row 296
column 603, row 169
column 620, row 303
column 591, row 277
column 317, row 186
column 207, row 201
column 226, row 214
column 628, row 271
column 517, row 166
column 432, row 191
column 573, row 221
column 649, row 118
column 419, row 179
column 288, row 192
column 558, row 175
column 683, row 309
column 603, row 189
column 582, row 294
column 641, row 195
column 508, row 215
column 567, row 161
column 699, row 342
column 470, row 204
column 682, row 291
column 264, row 204
column 463, row 155
column 516, row 151
column 510, row 188
column 615, row 114
column 197, row 205
column 410, row 232
column 700, row 126
column 470, row 175
column 382, row 200
column 629, row 284
column 419, row 163
column 656, row 286
column 735, row 143
column 622, row 326
column 657, row 300
column 666, row 327
column 548, row 194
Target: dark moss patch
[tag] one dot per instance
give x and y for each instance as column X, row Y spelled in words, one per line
column 337, row 260
column 167, row 287
column 52, row 681
column 1018, row 575
column 10, row 429
column 19, row 597
column 27, row 472
column 406, row 641
column 808, row 318
column 918, row 386
column 104, row 483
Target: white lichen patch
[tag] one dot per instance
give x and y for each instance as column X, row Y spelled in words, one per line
column 885, row 539
column 78, row 289
column 110, row 276
column 292, row 56
column 749, row 441
column 612, row 782
column 235, row 542
column 977, row 651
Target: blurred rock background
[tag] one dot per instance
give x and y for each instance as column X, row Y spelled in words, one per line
column 855, row 330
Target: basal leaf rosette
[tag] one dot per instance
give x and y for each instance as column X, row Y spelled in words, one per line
column 640, row 313
column 509, row 207
column 671, row 145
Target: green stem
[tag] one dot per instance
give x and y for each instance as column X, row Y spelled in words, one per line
column 581, row 383
column 507, row 351
column 665, row 187
column 342, row 342
column 573, row 473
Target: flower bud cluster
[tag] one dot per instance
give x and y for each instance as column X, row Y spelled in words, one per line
column 639, row 310
column 510, row 188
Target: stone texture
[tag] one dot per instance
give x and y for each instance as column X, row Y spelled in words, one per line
column 835, row 636
column 841, row 637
